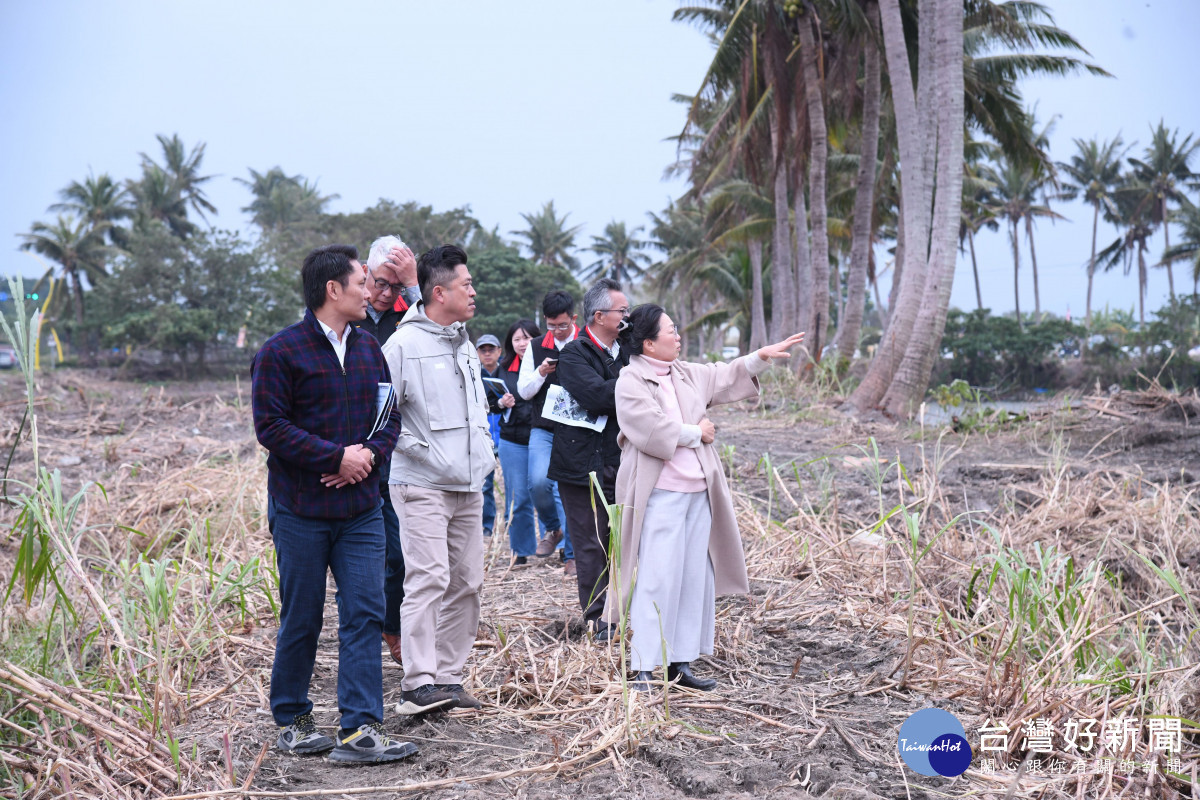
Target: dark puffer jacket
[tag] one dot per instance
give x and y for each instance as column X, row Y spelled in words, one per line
column 589, row 374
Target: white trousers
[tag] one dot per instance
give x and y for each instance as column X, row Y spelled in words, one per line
column 673, row 605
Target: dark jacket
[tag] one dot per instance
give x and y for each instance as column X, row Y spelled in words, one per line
column 539, row 350
column 516, row 428
column 383, row 329
column 589, row 374
column 308, row 408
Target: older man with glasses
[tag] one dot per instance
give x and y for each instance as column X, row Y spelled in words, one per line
column 391, row 289
column 587, row 369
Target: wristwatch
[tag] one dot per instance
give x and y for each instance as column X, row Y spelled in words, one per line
column 372, row 452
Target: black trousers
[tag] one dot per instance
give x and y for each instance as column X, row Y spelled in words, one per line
column 591, row 543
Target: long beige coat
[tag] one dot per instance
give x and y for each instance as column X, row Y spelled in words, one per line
column 648, row 438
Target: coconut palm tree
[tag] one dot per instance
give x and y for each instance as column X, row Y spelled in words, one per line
column 1093, row 172
column 101, row 201
column 157, row 197
column 77, row 246
column 1134, row 216
column 1158, row 179
column 1017, row 191
column 183, row 168
column 548, row 239
column 281, row 199
column 1188, row 250
column 621, row 255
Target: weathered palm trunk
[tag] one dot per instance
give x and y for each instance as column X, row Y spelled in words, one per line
column 758, row 317
column 1166, row 248
column 903, row 312
column 818, row 155
column 783, row 288
column 975, row 269
column 850, row 327
column 1016, row 248
column 804, row 276
column 1091, row 270
column 911, row 380
column 1037, row 299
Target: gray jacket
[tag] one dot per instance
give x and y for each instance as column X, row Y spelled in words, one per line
column 444, row 439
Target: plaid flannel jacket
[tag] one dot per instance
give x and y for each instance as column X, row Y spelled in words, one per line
column 308, row 408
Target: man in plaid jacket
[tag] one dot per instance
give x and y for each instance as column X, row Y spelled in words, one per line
column 315, row 387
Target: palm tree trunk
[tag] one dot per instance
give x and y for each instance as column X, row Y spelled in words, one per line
column 903, row 312
column 1016, row 248
column 1166, row 248
column 1141, row 286
column 883, row 312
column 758, row 317
column 911, row 379
column 850, row 326
column 975, row 269
column 804, row 274
column 818, row 155
column 1091, row 271
column 782, row 278
column 1037, row 300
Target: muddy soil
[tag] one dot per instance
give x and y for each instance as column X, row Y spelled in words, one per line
column 812, row 715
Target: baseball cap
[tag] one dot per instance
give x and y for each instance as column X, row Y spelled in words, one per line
column 487, row 339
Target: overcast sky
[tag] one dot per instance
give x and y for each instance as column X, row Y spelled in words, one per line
column 499, row 106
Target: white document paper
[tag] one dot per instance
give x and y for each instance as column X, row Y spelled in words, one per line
column 385, row 401
column 561, row 407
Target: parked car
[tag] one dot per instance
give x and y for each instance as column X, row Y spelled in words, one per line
column 728, row 353
column 8, row 356
column 1068, row 349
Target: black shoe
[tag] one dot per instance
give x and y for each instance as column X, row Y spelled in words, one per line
column 681, row 673
column 422, row 699
column 520, row 561
column 642, row 681
column 302, row 737
column 605, row 633
column 461, row 698
column 370, row 744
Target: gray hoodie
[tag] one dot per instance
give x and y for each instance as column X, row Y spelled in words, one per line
column 444, row 439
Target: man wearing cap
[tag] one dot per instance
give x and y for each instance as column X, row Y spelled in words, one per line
column 391, row 289
column 488, row 347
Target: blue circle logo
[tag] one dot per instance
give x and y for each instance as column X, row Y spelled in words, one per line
column 933, row 742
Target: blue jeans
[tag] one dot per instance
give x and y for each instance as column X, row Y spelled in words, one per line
column 489, row 503
column 393, row 580
column 305, row 548
column 545, row 491
column 518, row 505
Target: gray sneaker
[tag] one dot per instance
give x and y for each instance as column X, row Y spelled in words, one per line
column 370, row 744
column 423, row 699
column 461, row 698
column 302, row 737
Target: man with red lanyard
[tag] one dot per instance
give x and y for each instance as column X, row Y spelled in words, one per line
column 538, row 374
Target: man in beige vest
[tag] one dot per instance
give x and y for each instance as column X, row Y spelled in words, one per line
column 441, row 459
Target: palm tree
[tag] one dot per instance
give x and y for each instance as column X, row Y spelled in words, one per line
column 620, row 253
column 1158, row 177
column 548, row 238
column 1134, row 216
column 1017, row 189
column 1094, row 172
column 1188, row 216
column 100, row 201
column 77, row 245
column 281, row 199
column 183, row 168
column 156, row 197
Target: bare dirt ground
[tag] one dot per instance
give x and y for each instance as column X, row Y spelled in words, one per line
column 813, row 686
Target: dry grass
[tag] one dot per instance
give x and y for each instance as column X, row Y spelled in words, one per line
column 153, row 688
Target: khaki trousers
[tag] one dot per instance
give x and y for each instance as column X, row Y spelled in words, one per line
column 441, row 534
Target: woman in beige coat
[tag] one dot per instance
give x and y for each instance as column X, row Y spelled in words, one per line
column 680, row 545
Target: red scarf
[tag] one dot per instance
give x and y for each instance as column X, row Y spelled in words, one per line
column 548, row 339
column 400, row 305
column 515, row 366
column 596, row 341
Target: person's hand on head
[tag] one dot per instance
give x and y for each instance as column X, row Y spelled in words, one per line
column 405, row 264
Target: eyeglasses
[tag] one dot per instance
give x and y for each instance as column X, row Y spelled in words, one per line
column 383, row 286
column 623, row 311
column 566, row 326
